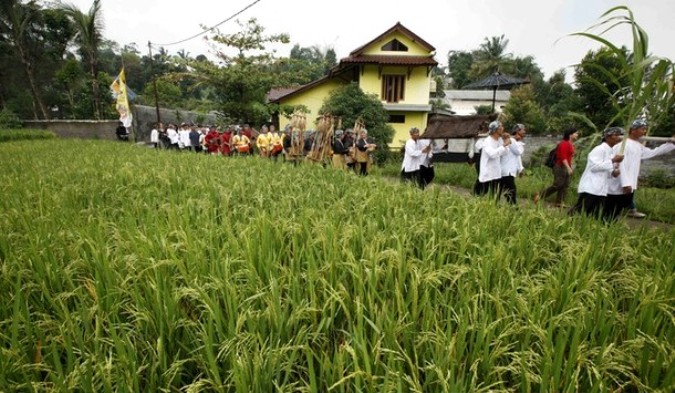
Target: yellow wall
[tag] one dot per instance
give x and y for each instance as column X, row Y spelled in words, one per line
column 412, row 119
column 413, row 48
column 416, row 87
column 311, row 98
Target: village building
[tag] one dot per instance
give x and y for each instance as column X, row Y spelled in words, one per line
column 464, row 102
column 395, row 66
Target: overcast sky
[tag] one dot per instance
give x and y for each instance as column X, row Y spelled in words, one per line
column 533, row 27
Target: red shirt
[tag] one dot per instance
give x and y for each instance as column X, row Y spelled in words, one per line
column 565, row 152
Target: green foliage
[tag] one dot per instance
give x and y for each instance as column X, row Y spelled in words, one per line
column 245, row 77
column 350, row 103
column 459, row 66
column 483, row 109
column 636, row 83
column 168, row 94
column 600, row 81
column 345, row 284
column 523, row 108
column 556, row 99
column 10, row 135
column 9, row 119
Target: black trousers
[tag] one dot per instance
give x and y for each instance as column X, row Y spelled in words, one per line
column 589, row 204
column 508, row 188
column 615, row 204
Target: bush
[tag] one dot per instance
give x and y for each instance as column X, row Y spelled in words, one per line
column 9, row 119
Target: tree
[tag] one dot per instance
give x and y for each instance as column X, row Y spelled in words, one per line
column 490, row 57
column 243, row 79
column 305, row 64
column 459, row 68
column 599, row 79
column 522, row 108
column 641, row 84
column 556, row 99
column 89, row 36
column 16, row 23
column 349, row 103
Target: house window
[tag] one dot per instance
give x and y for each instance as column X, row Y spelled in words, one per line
column 394, row 46
column 397, row 119
column 393, row 88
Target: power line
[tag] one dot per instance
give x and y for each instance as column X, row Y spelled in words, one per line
column 211, row 28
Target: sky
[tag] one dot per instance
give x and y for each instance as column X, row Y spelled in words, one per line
column 539, row 28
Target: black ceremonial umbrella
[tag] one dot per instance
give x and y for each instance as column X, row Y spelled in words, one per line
column 495, row 82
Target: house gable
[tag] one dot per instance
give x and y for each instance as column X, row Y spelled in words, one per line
column 395, row 66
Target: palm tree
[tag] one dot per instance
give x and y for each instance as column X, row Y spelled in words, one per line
column 89, row 36
column 16, row 20
column 490, row 57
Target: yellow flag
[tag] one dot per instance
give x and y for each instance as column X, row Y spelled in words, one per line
column 119, row 87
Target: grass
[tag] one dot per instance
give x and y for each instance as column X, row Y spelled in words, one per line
column 24, row 134
column 128, row 269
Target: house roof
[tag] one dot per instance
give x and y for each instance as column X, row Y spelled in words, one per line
column 401, row 29
column 441, row 126
column 390, row 60
column 477, row 95
column 278, row 92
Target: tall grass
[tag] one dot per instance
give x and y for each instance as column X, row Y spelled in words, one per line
column 24, row 134
column 126, row 269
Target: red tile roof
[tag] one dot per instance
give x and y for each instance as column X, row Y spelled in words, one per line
column 389, row 60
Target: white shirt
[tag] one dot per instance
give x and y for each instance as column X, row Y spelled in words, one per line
column 184, row 140
column 173, row 135
column 511, row 162
column 492, row 151
column 599, row 166
column 634, row 153
column 154, row 136
column 412, row 159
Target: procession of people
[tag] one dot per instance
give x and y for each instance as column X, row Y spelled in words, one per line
column 606, row 188
column 348, row 152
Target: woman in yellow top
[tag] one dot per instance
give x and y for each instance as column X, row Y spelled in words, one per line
column 276, row 140
column 263, row 141
column 240, row 143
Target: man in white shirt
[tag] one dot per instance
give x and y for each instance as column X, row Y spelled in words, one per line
column 173, row 136
column 414, row 155
column 494, row 147
column 594, row 182
column 154, row 135
column 622, row 188
column 184, row 136
column 512, row 164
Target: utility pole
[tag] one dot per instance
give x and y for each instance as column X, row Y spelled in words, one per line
column 154, row 81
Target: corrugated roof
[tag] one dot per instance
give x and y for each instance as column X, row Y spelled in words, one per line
column 441, row 126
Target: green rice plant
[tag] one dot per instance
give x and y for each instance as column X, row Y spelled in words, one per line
column 128, row 269
column 24, row 134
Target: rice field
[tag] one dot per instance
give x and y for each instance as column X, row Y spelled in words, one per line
column 127, row 269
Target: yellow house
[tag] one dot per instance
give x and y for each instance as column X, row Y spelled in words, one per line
column 395, row 66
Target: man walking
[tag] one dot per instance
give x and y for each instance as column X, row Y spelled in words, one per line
column 622, row 189
column 594, row 181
